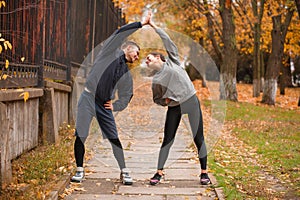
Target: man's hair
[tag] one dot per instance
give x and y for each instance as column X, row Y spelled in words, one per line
column 162, row 57
column 129, row 43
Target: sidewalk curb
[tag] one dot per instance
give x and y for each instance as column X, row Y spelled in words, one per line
column 220, row 193
column 59, row 187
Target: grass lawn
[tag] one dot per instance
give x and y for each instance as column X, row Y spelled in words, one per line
column 37, row 171
column 258, row 156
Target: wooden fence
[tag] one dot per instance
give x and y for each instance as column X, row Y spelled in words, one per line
column 19, row 127
column 50, row 35
column 24, row 125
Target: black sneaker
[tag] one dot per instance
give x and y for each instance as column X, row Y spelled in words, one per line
column 155, row 179
column 204, row 179
column 125, row 177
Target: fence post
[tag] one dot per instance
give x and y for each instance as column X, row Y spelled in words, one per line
column 68, row 32
column 41, row 75
column 41, row 46
column 68, row 78
column 48, row 126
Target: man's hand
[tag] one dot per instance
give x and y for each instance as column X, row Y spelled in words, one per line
column 108, row 105
column 147, row 19
column 168, row 101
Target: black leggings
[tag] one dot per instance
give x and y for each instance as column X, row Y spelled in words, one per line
column 192, row 108
column 79, row 151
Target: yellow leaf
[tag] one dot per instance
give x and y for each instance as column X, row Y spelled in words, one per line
column 4, row 76
column 6, row 64
column 7, row 44
column 2, row 3
column 2, row 40
column 25, row 96
column 22, row 59
column 0, row 49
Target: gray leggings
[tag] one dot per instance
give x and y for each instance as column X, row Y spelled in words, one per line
column 87, row 109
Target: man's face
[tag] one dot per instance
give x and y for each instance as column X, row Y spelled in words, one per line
column 132, row 54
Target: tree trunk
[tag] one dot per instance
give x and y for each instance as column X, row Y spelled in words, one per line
column 257, row 64
column 284, row 78
column 275, row 60
column 298, row 7
column 262, row 79
column 229, row 65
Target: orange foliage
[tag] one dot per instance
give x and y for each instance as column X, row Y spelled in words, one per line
column 289, row 100
column 189, row 17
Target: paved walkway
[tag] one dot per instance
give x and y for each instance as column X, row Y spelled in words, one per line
column 141, row 130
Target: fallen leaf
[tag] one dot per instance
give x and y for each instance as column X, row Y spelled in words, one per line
column 25, row 96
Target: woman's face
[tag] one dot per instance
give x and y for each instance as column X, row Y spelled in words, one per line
column 151, row 61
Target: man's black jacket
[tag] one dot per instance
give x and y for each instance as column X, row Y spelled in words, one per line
column 110, row 71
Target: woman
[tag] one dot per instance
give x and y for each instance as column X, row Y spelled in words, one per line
column 172, row 87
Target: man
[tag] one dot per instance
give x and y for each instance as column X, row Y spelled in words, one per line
column 108, row 74
column 172, row 87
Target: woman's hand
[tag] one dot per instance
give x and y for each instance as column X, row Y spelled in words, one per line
column 147, row 19
column 152, row 24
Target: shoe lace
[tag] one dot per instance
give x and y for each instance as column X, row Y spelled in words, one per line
column 78, row 173
column 125, row 174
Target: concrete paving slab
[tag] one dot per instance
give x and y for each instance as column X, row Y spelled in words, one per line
column 90, row 186
column 185, row 197
column 183, row 165
column 113, row 197
column 159, row 191
column 182, row 174
column 102, row 175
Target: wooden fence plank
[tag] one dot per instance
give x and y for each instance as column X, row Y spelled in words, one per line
column 6, row 171
column 20, row 131
column 34, row 123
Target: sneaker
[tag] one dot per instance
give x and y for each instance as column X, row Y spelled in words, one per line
column 204, row 179
column 79, row 175
column 125, row 177
column 155, row 179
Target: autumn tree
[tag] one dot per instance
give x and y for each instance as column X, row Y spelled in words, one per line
column 258, row 11
column 250, row 15
column 281, row 14
column 229, row 56
column 133, row 9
